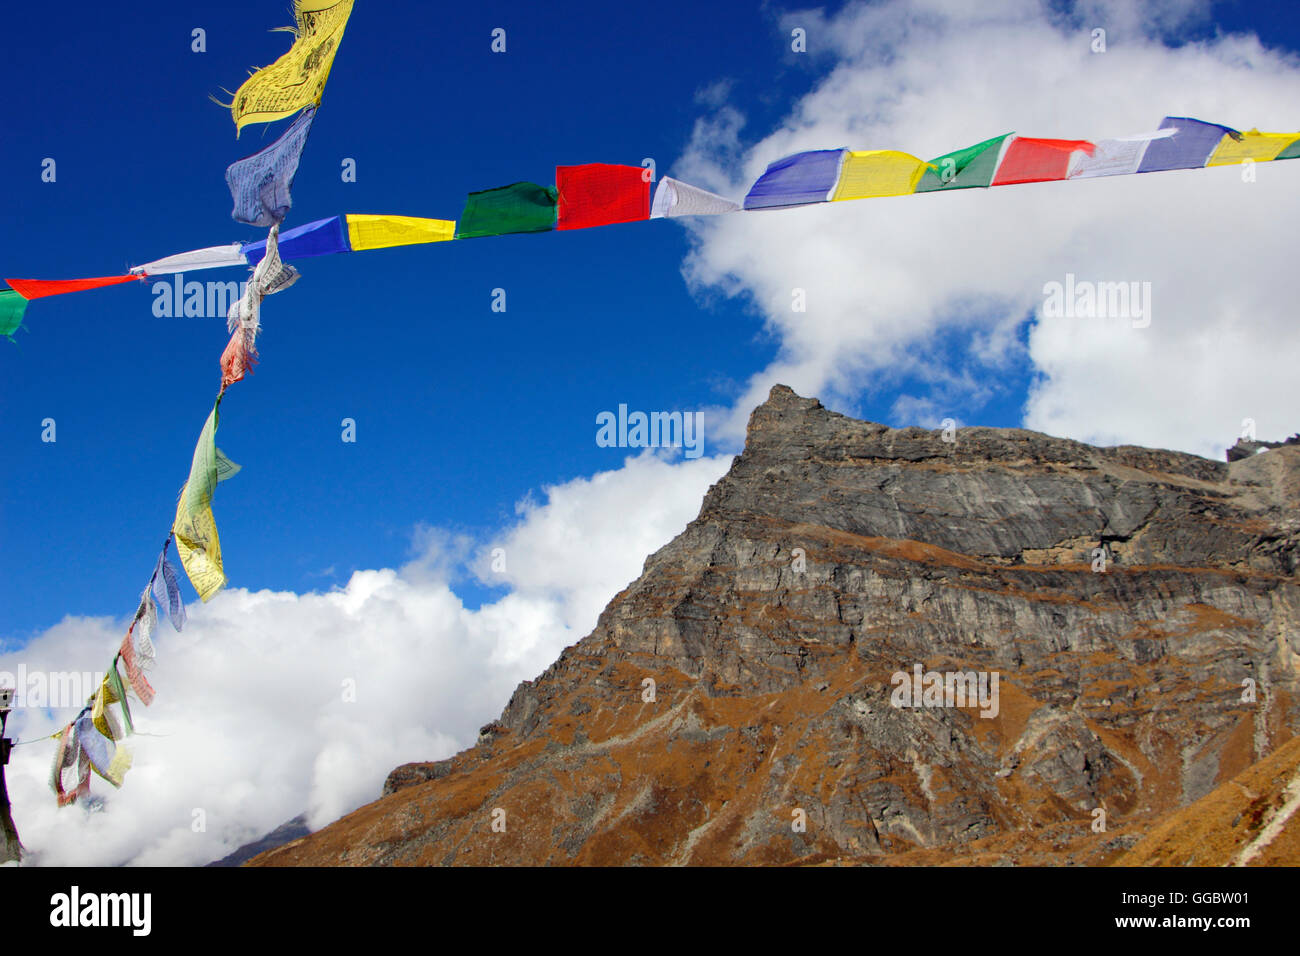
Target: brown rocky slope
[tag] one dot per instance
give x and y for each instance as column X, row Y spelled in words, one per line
column 836, row 553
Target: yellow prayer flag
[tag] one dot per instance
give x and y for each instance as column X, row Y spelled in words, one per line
column 297, row 79
column 103, row 697
column 1255, row 145
column 195, row 528
column 878, row 172
column 380, row 232
column 200, row 549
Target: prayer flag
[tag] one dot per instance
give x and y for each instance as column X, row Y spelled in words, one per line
column 213, row 257
column 381, row 232
column 320, row 238
column 1188, row 148
column 1029, row 160
column 39, row 288
column 969, row 168
column 1260, row 147
column 519, row 207
column 195, row 527
column 260, row 184
column 878, row 172
column 675, row 198
column 298, row 78
column 601, row 194
column 797, row 180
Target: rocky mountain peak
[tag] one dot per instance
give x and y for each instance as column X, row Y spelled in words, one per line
column 1113, row 632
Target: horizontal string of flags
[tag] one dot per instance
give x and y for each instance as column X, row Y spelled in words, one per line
column 601, row 194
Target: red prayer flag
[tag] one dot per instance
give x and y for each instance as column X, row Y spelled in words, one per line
column 598, row 194
column 39, row 288
column 1038, row 160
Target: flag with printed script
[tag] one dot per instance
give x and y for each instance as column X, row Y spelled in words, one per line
column 1030, row 160
column 797, row 180
column 166, row 590
column 1252, row 145
column 675, row 198
column 297, row 79
column 39, row 288
column 12, row 307
column 1189, row 147
column 601, row 194
column 68, row 755
column 382, row 232
column 1115, row 157
column 260, row 184
column 107, row 758
column 195, row 528
column 969, row 168
column 870, row 173
column 213, row 257
column 519, row 207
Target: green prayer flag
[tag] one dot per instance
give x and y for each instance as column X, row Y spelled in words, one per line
column 1291, row 152
column 12, row 307
column 963, row 169
column 520, row 207
column 115, row 685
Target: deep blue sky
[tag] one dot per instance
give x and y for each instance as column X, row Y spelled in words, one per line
column 461, row 411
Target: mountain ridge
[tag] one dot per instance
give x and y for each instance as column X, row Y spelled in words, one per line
column 1127, row 598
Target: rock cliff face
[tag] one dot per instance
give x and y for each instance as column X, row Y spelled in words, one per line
column 1135, row 610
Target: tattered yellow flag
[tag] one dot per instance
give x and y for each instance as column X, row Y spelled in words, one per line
column 195, row 528
column 298, row 78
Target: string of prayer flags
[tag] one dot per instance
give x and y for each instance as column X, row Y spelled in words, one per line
column 1252, row 145
column 195, row 528
column 870, row 173
column 1030, row 160
column 297, row 79
column 39, row 288
column 601, row 194
column 969, row 168
column 213, row 257
column 382, row 232
column 12, row 308
column 797, row 180
column 322, row 237
column 1189, row 147
column 519, row 207
column 675, row 198
column 260, row 184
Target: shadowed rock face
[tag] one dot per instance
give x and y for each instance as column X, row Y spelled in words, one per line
column 836, row 553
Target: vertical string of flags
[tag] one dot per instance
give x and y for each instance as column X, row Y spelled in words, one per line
column 260, row 184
